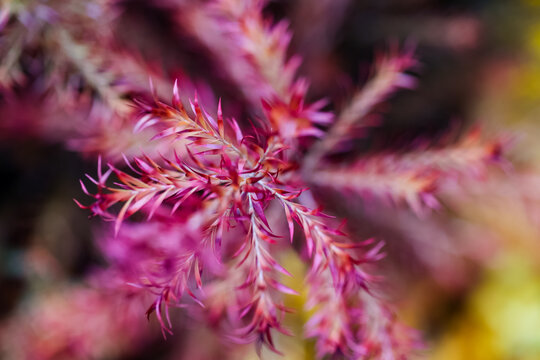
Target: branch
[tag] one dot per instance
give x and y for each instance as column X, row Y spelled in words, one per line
column 389, row 76
column 413, row 177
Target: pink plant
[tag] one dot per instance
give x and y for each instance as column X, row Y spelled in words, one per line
column 193, row 208
column 230, row 178
column 74, row 322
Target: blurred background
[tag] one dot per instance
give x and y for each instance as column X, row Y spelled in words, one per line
column 468, row 277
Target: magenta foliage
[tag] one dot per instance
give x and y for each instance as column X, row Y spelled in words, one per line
column 193, row 207
column 224, row 180
column 74, row 322
column 231, row 179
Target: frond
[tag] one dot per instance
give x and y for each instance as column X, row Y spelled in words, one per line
column 75, row 321
column 349, row 319
column 389, row 76
column 413, row 177
column 261, row 307
column 355, row 324
column 165, row 257
column 254, row 52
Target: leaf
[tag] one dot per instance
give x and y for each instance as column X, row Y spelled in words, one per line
column 290, row 221
column 221, row 128
column 121, row 215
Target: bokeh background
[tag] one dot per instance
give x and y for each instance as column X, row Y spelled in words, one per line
column 468, row 277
